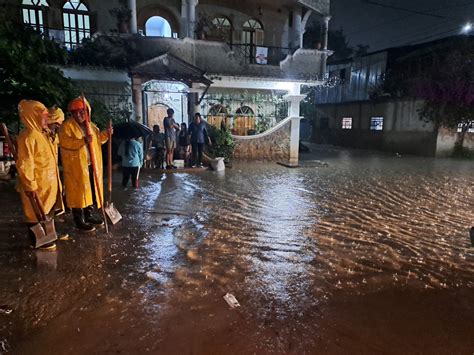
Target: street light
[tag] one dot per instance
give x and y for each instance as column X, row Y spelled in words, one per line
column 467, row 28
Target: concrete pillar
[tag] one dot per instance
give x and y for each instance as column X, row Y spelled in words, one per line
column 191, row 16
column 132, row 5
column 294, row 99
column 195, row 93
column 297, row 30
column 325, row 32
column 137, row 98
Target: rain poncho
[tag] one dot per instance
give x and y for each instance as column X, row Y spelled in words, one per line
column 37, row 167
column 56, row 115
column 75, row 160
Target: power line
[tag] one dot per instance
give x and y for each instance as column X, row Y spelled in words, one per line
column 399, row 19
column 404, row 9
column 424, row 30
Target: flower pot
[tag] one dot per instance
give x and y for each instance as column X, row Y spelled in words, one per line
column 124, row 26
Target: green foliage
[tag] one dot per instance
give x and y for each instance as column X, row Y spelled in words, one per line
column 222, row 143
column 26, row 72
column 106, row 51
column 263, row 124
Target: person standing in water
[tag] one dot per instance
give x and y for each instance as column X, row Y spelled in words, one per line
column 170, row 137
column 131, row 152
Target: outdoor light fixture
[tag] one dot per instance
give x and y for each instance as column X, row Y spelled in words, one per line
column 467, row 28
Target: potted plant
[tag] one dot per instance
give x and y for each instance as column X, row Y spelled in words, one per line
column 123, row 15
column 203, row 26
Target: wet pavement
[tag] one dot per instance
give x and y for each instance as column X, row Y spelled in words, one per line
column 369, row 254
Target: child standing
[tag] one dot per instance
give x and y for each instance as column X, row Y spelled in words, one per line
column 131, row 152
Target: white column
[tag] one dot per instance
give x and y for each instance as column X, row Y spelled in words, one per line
column 191, row 15
column 297, row 34
column 137, row 98
column 325, row 32
column 132, row 5
column 294, row 99
column 195, row 93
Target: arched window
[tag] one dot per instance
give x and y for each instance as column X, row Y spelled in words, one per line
column 33, row 13
column 252, row 36
column 252, row 33
column 157, row 26
column 222, row 29
column 76, row 23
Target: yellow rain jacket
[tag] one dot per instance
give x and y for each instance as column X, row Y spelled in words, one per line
column 56, row 115
column 75, row 160
column 37, row 167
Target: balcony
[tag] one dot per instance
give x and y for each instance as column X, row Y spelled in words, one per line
column 217, row 58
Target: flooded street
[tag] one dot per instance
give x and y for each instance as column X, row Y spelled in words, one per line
column 369, row 254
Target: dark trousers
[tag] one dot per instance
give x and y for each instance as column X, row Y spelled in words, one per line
column 127, row 173
column 197, row 152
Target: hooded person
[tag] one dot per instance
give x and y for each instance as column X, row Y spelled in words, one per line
column 55, row 120
column 37, row 168
column 81, row 193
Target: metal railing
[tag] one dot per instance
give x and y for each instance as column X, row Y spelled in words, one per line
column 264, row 55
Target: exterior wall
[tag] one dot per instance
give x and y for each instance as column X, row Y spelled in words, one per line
column 403, row 131
column 273, row 145
column 358, row 77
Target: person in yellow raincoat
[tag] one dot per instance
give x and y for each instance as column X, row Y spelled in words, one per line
column 81, row 193
column 37, row 168
column 55, row 120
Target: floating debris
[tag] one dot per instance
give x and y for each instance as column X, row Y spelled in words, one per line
column 231, row 300
column 153, row 276
column 5, row 310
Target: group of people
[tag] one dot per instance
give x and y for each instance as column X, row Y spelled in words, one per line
column 46, row 133
column 186, row 141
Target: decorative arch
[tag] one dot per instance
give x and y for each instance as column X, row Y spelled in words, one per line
column 32, row 11
column 244, row 122
column 76, row 22
column 245, row 111
column 150, row 11
column 218, row 116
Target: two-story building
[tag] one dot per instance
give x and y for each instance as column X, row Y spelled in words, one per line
column 240, row 63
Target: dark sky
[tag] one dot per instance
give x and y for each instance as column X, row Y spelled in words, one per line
column 382, row 27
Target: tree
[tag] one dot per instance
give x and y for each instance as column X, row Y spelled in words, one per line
column 448, row 90
column 26, row 70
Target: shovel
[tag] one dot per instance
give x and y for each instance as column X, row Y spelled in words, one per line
column 44, row 230
column 113, row 214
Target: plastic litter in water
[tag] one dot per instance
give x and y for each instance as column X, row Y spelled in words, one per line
column 153, row 276
column 231, row 300
column 5, row 310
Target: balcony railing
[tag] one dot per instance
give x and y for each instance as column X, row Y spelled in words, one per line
column 252, row 54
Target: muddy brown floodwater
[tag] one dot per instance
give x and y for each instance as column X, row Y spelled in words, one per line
column 369, row 254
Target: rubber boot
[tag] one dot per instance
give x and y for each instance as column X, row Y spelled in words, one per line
column 90, row 218
column 79, row 222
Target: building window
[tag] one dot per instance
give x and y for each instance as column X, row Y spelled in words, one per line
column 222, row 29
column 376, row 124
column 470, row 127
column 33, row 13
column 76, row 23
column 347, row 123
column 157, row 26
column 252, row 36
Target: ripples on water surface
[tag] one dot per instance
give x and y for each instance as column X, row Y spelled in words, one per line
column 287, row 243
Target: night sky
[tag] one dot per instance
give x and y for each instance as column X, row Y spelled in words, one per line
column 383, row 27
